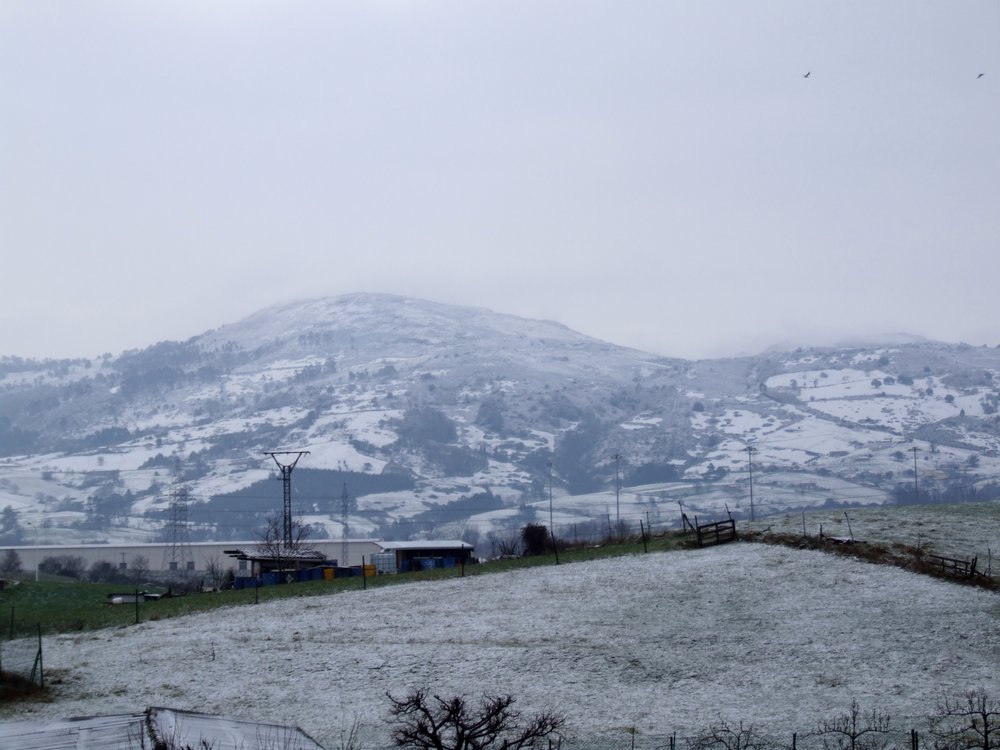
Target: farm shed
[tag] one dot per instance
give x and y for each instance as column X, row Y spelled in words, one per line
column 402, row 557
column 286, row 561
column 155, row 727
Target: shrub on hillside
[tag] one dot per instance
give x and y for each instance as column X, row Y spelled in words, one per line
column 535, row 538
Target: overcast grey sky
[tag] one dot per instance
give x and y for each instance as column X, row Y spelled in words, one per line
column 658, row 174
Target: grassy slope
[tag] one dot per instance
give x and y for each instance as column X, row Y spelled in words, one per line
column 64, row 606
column 886, row 535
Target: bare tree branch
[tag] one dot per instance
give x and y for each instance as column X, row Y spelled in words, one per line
column 429, row 722
column 972, row 723
column 723, row 736
column 856, row 730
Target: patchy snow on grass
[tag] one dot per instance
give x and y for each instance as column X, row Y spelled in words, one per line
column 662, row 642
column 342, row 456
column 641, row 422
column 958, row 530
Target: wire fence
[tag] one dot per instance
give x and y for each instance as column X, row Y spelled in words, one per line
column 726, row 737
column 746, row 737
column 21, row 660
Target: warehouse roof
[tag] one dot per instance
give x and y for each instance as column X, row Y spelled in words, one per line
column 257, row 553
column 424, row 544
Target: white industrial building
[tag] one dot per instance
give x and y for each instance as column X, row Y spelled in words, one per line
column 195, row 557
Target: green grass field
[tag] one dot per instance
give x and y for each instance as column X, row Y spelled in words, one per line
column 61, row 606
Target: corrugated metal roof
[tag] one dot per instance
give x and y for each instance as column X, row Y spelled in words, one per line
column 176, row 728
column 91, row 733
column 223, row 733
column 254, row 553
column 425, row 544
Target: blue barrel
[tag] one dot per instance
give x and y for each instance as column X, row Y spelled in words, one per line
column 449, row 562
column 428, row 563
column 271, row 578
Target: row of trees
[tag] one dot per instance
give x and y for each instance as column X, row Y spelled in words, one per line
column 72, row 566
column 970, row 722
column 423, row 721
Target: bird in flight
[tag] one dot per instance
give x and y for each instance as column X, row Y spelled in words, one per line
column 980, row 75
column 807, row 74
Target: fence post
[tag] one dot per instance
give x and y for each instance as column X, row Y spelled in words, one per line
column 795, row 738
column 137, row 606
column 914, row 740
column 41, row 670
column 364, row 578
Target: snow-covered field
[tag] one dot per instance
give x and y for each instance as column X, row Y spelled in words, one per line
column 952, row 530
column 660, row 642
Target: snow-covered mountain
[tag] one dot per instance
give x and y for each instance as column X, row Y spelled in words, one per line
column 444, row 420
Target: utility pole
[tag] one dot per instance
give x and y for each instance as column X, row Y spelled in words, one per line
column 618, row 490
column 552, row 528
column 750, row 451
column 37, row 551
column 916, row 493
column 551, row 533
column 286, row 479
column 345, row 507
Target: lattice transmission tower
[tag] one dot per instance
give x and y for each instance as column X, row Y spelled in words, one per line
column 286, row 479
column 178, row 555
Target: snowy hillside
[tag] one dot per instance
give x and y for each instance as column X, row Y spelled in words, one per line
column 664, row 643
column 443, row 420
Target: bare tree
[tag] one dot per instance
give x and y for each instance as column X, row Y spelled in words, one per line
column 724, row 736
column 855, row 730
column 272, row 539
column 140, row 567
column 429, row 722
column 11, row 562
column 215, row 572
column 971, row 723
column 504, row 542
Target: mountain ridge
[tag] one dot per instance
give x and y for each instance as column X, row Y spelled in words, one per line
column 468, row 403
